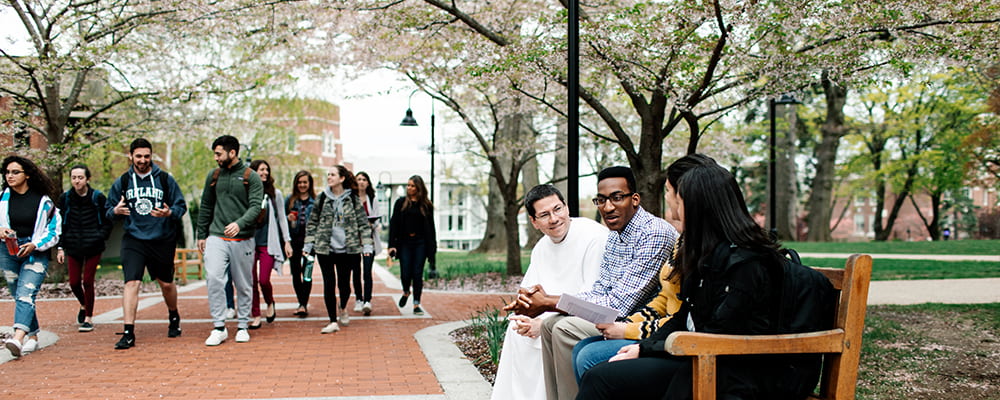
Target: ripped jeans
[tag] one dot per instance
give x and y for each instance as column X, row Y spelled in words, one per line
column 24, row 278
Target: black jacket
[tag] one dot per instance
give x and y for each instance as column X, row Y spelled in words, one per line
column 736, row 292
column 85, row 230
column 426, row 228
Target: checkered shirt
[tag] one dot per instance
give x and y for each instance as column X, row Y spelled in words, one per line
column 632, row 260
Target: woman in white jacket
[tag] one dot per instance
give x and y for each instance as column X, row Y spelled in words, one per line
column 273, row 244
column 31, row 226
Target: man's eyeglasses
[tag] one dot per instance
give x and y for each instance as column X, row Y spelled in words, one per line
column 13, row 172
column 616, row 198
column 545, row 215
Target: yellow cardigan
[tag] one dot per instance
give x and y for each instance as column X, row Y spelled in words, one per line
column 642, row 323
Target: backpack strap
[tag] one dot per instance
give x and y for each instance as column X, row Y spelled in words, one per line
column 215, row 176
column 93, row 199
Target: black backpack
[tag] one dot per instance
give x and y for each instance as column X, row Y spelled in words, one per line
column 807, row 299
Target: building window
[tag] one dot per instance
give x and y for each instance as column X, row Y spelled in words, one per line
column 859, row 223
column 450, row 228
column 461, row 223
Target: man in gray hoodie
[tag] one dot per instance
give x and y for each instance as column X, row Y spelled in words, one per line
column 150, row 203
column 230, row 204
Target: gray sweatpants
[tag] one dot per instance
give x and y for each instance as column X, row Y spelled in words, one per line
column 222, row 256
column 559, row 334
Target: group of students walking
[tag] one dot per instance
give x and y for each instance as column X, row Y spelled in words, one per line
column 246, row 229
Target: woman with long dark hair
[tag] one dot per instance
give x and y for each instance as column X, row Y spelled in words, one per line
column 85, row 230
column 298, row 206
column 272, row 242
column 339, row 234
column 413, row 238
column 725, row 264
column 363, row 295
column 30, row 227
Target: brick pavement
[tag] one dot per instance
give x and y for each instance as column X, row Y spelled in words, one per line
column 374, row 356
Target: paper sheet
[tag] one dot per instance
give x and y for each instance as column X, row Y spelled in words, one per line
column 595, row 313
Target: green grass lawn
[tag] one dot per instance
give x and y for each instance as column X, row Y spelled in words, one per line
column 894, row 269
column 967, row 247
column 451, row 264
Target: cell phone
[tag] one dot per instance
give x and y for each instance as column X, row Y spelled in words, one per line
column 392, row 253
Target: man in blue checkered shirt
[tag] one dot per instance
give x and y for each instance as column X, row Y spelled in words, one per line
column 638, row 245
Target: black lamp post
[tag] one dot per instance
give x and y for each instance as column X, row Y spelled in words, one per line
column 772, row 195
column 573, row 110
column 408, row 120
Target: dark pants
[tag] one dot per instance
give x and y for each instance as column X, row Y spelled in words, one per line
column 302, row 287
column 334, row 266
column 640, row 378
column 366, row 275
column 411, row 267
column 81, row 279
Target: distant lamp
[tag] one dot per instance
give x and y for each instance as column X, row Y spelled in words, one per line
column 408, row 120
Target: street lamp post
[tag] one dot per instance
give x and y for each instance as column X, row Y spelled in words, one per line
column 573, row 109
column 408, row 120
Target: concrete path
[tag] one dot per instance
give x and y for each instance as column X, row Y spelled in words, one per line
column 390, row 355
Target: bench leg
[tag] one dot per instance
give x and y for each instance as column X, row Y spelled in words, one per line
column 704, row 378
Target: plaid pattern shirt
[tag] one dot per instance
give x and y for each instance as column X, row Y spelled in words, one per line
column 632, row 260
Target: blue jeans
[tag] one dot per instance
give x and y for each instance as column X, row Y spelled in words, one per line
column 595, row 350
column 412, row 256
column 24, row 278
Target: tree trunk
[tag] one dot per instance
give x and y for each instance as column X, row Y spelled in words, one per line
column 820, row 204
column 884, row 233
column 511, row 209
column 493, row 237
column 560, row 164
column 786, row 203
column 529, row 178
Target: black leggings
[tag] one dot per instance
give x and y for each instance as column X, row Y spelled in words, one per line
column 366, row 274
column 334, row 266
column 302, row 288
column 640, row 378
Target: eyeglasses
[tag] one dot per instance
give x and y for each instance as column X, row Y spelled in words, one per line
column 544, row 216
column 13, row 172
column 616, row 198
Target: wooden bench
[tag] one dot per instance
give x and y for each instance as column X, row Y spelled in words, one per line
column 184, row 258
column 841, row 346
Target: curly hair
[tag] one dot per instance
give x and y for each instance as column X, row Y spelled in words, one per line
column 38, row 181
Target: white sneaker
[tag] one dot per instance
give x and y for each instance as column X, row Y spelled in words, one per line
column 230, row 313
column 344, row 318
column 331, row 328
column 15, row 346
column 357, row 305
column 217, row 337
column 29, row 346
column 242, row 336
column 367, row 308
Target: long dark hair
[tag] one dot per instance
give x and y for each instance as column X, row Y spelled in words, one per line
column 269, row 184
column 714, row 213
column 422, row 201
column 369, row 190
column 38, row 182
column 295, row 188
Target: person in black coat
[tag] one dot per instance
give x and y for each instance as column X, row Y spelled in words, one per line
column 412, row 238
column 724, row 264
column 84, row 233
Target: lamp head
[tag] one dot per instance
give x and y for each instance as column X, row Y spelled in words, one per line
column 408, row 120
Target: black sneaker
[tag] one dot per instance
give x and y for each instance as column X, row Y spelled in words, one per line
column 175, row 327
column 86, row 327
column 403, row 298
column 417, row 310
column 81, row 316
column 126, row 342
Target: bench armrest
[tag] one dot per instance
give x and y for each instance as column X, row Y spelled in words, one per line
column 697, row 343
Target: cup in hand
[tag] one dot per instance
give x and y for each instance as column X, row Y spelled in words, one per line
column 294, row 215
column 12, row 247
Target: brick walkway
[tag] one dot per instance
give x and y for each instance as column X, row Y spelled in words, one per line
column 374, row 356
